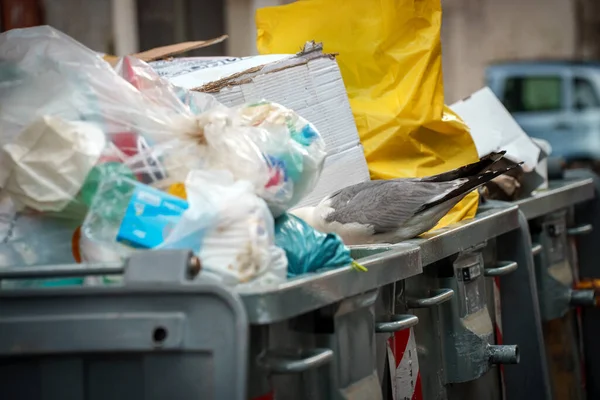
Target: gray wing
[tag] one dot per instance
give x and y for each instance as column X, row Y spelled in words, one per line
column 341, row 197
column 385, row 205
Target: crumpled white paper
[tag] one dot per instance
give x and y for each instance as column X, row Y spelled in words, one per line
column 45, row 166
column 494, row 129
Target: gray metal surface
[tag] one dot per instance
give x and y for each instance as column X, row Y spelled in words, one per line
column 280, row 362
column 505, row 268
column 312, row 292
column 347, row 327
column 560, row 195
column 484, row 388
column 398, row 322
column 464, row 235
column 419, row 290
column 503, row 354
column 488, row 223
column 489, row 385
column 437, row 297
column 150, row 340
column 583, row 298
column 385, row 320
column 554, row 272
column 521, row 319
column 468, row 342
column 427, row 332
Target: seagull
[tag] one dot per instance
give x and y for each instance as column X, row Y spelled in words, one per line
column 390, row 211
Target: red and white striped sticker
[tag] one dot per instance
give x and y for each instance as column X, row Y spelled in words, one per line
column 404, row 366
column 268, row 396
column 498, row 328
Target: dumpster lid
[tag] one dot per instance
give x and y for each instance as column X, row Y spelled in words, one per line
column 559, row 195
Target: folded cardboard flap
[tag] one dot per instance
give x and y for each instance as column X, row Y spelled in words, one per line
column 175, row 49
column 246, row 76
column 169, row 50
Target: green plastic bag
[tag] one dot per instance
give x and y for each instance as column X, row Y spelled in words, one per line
column 309, row 250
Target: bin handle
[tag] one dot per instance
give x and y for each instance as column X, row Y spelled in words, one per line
column 286, row 363
column 193, row 268
column 580, row 230
column 397, row 323
column 439, row 296
column 583, row 297
column 536, row 249
column 506, row 268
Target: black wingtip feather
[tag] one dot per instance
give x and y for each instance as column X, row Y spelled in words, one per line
column 472, row 183
column 484, row 164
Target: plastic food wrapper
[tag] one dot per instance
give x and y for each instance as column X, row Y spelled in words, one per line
column 390, row 59
column 308, row 250
column 222, row 220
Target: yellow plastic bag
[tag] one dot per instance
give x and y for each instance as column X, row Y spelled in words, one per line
column 391, row 62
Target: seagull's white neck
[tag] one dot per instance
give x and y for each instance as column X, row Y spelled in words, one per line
column 307, row 214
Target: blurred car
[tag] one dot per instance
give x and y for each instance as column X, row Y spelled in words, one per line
column 558, row 101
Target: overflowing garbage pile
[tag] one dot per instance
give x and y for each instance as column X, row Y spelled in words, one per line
column 101, row 162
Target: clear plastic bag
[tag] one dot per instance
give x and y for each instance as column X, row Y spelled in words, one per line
column 161, row 91
column 54, row 90
column 153, row 132
column 269, row 145
column 222, row 221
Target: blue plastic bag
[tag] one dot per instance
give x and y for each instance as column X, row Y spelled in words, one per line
column 309, row 250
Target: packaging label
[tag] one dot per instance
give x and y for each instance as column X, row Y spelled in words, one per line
column 150, row 217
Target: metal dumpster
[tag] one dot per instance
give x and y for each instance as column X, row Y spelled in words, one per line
column 314, row 337
column 549, row 274
column 161, row 334
column 586, row 214
column 451, row 352
column 164, row 332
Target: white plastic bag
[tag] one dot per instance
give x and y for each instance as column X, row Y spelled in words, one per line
column 237, row 240
column 223, row 221
column 269, row 145
column 161, row 91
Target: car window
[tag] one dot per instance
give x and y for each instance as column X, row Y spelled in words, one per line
column 533, row 94
column 584, row 95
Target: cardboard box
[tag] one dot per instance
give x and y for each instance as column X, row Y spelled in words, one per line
column 309, row 82
column 341, row 170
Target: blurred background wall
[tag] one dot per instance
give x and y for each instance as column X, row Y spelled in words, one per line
column 475, row 33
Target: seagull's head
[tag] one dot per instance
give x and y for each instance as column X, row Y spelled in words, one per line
column 307, row 214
